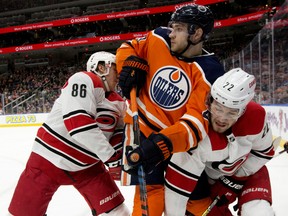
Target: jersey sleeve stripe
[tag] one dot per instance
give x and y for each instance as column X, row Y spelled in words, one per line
column 260, row 155
column 179, row 169
column 193, row 128
column 83, row 129
column 183, row 193
column 66, row 141
column 58, row 152
column 180, row 180
column 146, row 121
column 142, row 109
column 77, row 112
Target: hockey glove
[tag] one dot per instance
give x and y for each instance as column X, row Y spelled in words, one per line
column 153, row 150
column 133, row 74
column 232, row 183
column 114, row 165
column 227, row 188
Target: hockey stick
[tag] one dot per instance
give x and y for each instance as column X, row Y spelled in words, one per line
column 285, row 146
column 215, row 201
column 276, row 142
column 141, row 173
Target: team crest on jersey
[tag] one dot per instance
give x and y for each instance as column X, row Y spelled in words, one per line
column 229, row 168
column 170, row 88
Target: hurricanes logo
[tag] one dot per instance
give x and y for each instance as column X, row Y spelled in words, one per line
column 229, row 168
column 170, row 88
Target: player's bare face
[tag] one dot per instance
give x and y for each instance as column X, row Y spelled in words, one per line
column 222, row 117
column 112, row 77
column 178, row 37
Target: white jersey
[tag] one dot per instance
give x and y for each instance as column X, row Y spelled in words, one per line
column 77, row 131
column 240, row 152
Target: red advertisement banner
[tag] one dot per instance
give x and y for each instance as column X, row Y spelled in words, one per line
column 99, row 17
column 75, row 42
column 100, row 39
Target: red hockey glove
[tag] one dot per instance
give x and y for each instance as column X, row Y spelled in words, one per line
column 153, row 150
column 114, row 165
column 133, row 73
column 115, row 162
column 227, row 188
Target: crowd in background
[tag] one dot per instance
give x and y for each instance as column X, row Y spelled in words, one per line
column 221, row 10
column 44, row 83
column 266, row 58
column 34, row 89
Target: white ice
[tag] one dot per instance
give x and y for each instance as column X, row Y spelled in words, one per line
column 15, row 147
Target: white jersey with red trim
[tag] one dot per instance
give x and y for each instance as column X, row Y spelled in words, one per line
column 241, row 152
column 76, row 133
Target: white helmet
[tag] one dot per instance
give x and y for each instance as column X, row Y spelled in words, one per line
column 235, row 89
column 97, row 57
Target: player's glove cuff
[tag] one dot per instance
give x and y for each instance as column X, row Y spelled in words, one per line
column 133, row 74
column 233, row 183
column 153, row 150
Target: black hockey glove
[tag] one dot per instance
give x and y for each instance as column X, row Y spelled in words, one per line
column 133, row 74
column 153, row 150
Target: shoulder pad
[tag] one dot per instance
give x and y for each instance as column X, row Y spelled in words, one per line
column 211, row 67
column 163, row 33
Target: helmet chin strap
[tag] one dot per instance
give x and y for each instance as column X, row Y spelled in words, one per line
column 103, row 78
column 189, row 43
column 105, row 83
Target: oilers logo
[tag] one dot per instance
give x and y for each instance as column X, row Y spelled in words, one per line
column 170, row 88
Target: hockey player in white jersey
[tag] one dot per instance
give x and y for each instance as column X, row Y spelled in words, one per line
column 72, row 145
column 233, row 155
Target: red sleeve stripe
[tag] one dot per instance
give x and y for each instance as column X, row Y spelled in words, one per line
column 47, row 129
column 180, row 181
column 79, row 121
column 57, row 146
column 62, row 154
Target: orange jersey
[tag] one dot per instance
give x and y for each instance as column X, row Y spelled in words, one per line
column 173, row 98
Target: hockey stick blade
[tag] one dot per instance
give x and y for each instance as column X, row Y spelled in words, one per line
column 285, row 146
column 276, row 142
column 141, row 173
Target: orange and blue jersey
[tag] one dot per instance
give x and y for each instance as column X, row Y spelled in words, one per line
column 172, row 100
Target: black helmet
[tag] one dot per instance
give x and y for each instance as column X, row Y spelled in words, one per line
column 195, row 15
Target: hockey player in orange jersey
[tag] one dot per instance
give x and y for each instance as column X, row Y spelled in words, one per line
column 173, row 75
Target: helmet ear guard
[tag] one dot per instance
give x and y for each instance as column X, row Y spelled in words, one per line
column 235, row 89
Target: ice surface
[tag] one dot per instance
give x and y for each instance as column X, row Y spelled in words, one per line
column 15, row 147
